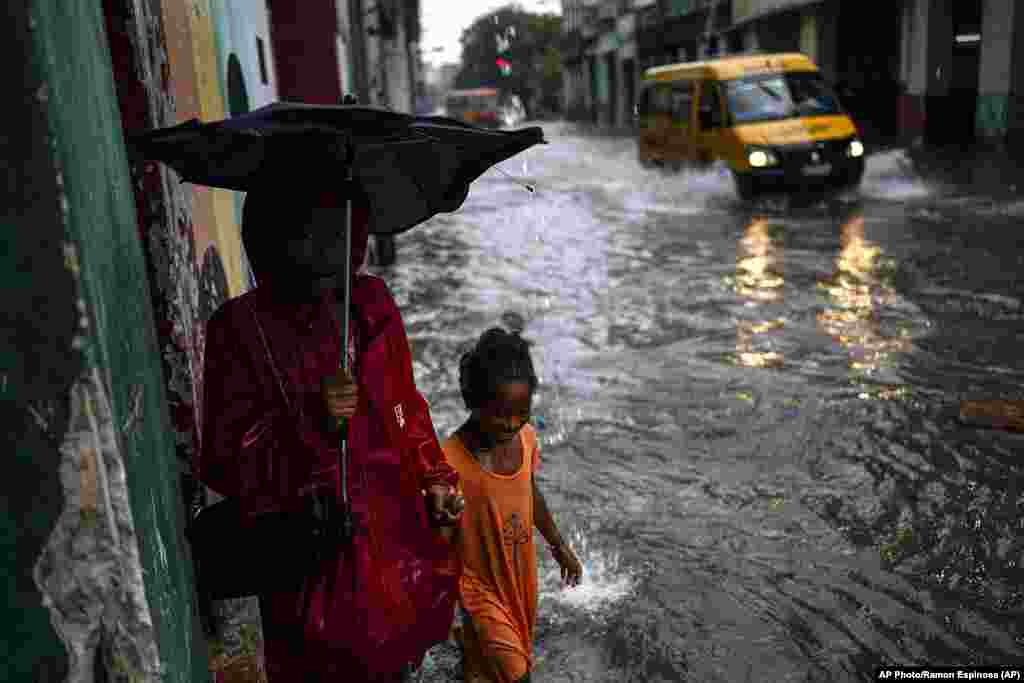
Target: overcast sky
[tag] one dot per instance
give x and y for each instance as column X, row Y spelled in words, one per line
column 444, row 21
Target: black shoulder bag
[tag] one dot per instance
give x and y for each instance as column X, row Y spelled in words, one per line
column 237, row 556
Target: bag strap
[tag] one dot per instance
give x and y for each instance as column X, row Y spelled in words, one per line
column 270, row 356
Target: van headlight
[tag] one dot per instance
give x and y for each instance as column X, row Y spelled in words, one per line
column 760, row 157
column 855, row 149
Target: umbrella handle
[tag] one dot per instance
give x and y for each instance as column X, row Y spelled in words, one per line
column 344, row 321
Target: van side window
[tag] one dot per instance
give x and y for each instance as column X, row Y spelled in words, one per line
column 682, row 102
column 661, row 99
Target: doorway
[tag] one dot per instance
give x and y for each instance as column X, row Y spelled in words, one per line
column 867, row 70
column 966, row 66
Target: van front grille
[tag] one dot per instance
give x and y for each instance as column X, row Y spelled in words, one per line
column 826, row 151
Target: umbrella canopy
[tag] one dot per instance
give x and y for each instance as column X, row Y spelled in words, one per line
column 408, row 167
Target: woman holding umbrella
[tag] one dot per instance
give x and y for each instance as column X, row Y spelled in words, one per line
column 384, row 590
column 272, row 390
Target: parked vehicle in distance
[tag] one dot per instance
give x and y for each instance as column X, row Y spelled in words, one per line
column 771, row 118
column 485, row 107
column 479, row 106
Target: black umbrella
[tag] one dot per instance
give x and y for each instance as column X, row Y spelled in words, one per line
column 409, row 168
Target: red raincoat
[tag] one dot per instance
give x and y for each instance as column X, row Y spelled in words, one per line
column 387, row 599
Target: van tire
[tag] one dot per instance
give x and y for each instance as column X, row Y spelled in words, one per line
column 746, row 186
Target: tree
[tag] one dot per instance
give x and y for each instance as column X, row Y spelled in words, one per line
column 527, row 42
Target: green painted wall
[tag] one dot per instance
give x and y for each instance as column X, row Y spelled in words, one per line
column 69, row 172
column 992, row 116
column 601, row 78
column 37, row 362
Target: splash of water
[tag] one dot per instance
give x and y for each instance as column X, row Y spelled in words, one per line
column 605, row 581
column 890, row 175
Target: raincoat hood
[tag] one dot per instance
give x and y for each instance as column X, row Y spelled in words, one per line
column 270, row 218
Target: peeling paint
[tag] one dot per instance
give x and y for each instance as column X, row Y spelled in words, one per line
column 87, row 554
column 135, row 408
column 159, row 540
column 165, row 220
column 90, row 574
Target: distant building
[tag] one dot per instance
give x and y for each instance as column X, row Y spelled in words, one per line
column 329, row 48
column 575, row 93
column 934, row 70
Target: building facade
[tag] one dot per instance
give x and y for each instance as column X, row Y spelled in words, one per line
column 391, row 44
column 600, row 60
column 965, row 71
column 574, row 85
column 937, row 71
column 326, row 49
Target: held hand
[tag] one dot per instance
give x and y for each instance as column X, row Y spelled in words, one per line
column 340, row 394
column 444, row 505
column 572, row 570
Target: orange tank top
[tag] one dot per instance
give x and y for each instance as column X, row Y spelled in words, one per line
column 495, row 539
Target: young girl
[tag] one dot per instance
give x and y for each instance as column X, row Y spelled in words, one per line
column 495, row 453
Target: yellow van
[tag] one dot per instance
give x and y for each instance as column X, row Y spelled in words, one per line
column 771, row 118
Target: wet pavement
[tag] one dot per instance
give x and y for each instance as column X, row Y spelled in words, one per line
column 747, row 412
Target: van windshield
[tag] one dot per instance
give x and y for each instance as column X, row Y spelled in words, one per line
column 772, row 97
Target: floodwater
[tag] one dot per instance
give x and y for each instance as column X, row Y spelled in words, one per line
column 747, row 412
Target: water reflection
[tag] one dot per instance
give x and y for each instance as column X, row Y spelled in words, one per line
column 759, row 279
column 858, row 293
column 797, row 533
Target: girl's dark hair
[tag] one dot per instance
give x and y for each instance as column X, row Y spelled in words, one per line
column 498, row 357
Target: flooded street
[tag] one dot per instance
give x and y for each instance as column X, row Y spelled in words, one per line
column 747, row 412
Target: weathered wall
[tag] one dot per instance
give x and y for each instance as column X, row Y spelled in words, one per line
column 196, row 85
column 399, row 61
column 387, row 55
column 304, row 37
column 101, row 586
column 38, row 362
column 238, row 24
